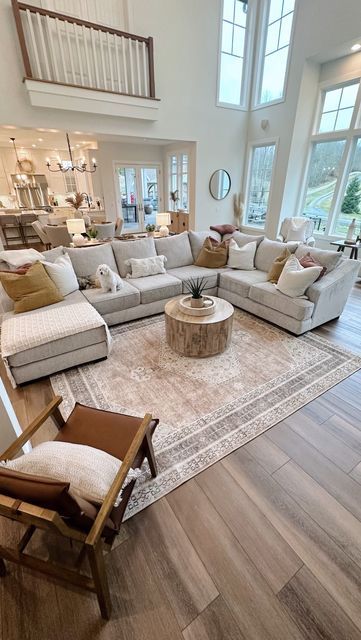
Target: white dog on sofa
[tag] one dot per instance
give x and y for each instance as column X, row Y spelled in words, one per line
column 109, row 280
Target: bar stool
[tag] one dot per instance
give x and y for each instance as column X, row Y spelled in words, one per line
column 11, row 229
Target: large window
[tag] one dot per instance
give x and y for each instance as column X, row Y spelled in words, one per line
column 259, row 184
column 333, row 185
column 233, row 53
column 178, row 180
column 273, row 67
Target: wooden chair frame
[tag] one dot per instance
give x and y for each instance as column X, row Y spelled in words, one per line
column 38, row 518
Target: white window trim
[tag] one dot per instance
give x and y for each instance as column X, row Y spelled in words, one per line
column 264, row 142
column 248, row 60
column 178, row 153
column 350, row 135
column 264, row 12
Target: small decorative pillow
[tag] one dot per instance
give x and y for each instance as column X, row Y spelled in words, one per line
column 88, row 282
column 141, row 267
column 32, row 290
column 277, row 266
column 19, row 257
column 62, row 274
column 297, row 232
column 241, row 257
column 89, row 471
column 294, row 279
column 213, row 254
column 223, row 228
column 309, row 261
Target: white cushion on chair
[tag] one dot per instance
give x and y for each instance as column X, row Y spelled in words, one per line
column 89, row 471
column 297, row 231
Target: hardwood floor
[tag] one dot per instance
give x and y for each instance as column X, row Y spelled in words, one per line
column 264, row 545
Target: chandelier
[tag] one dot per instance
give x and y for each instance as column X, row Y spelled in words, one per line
column 70, row 165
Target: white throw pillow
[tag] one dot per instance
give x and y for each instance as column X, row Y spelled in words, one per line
column 241, row 257
column 141, row 267
column 297, row 231
column 18, row 257
column 295, row 279
column 62, row 274
column 89, row 471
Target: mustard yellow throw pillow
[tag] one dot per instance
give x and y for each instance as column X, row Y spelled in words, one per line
column 277, row 266
column 32, row 290
column 213, row 254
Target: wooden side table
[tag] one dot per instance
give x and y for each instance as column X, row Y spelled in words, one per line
column 341, row 245
column 199, row 336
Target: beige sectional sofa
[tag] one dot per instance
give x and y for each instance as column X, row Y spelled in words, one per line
column 140, row 297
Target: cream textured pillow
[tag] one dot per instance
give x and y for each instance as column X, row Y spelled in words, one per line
column 241, row 257
column 141, row 267
column 89, row 471
column 295, row 279
column 297, row 231
column 62, row 274
column 18, row 257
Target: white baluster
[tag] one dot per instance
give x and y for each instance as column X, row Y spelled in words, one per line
column 110, row 61
column 94, row 50
column 42, row 41
column 117, row 64
column 49, row 25
column 70, row 49
column 138, row 67
column 33, row 44
column 130, row 45
column 85, row 33
column 61, row 47
column 80, row 62
column 124, row 66
column 145, row 69
column 102, row 59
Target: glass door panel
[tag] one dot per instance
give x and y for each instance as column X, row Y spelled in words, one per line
column 150, row 197
column 139, row 188
column 129, row 198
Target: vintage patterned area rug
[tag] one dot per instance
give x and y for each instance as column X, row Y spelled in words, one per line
column 207, row 407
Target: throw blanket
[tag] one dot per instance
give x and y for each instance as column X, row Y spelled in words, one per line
column 28, row 330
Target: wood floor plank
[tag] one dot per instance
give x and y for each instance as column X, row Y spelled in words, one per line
column 215, row 623
column 316, row 411
column 266, row 453
column 330, row 446
column 314, row 611
column 339, row 407
column 323, row 508
column 253, row 604
column 338, row 483
column 171, row 556
column 345, row 430
column 273, row 557
column 328, row 562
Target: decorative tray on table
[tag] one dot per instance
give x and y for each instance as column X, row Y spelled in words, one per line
column 207, row 310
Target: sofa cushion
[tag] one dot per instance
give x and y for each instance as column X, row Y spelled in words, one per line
column 240, row 282
column 266, row 293
column 197, row 238
column 277, row 266
column 269, row 250
column 52, row 254
column 241, row 257
column 176, row 249
column 243, row 238
column 213, row 254
column 223, row 228
column 192, row 271
column 328, row 259
column 143, row 267
column 123, row 250
column 86, row 260
column 154, row 288
column 124, row 298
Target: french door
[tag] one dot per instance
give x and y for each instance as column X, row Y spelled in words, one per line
column 139, row 194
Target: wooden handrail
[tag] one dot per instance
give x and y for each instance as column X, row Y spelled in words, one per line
column 22, row 6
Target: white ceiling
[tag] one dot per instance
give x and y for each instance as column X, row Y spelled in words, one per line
column 55, row 139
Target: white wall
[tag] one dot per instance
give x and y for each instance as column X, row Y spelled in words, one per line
column 185, row 41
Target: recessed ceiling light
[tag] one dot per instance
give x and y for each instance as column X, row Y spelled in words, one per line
column 40, row 139
column 8, row 126
column 77, row 145
column 33, row 145
column 356, row 47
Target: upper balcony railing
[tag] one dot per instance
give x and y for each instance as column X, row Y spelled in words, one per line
column 63, row 50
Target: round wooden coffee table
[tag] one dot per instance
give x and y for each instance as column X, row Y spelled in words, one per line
column 199, row 336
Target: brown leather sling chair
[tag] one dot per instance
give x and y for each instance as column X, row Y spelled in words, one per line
column 40, row 503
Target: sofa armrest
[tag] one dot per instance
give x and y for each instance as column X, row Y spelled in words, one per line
column 330, row 294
